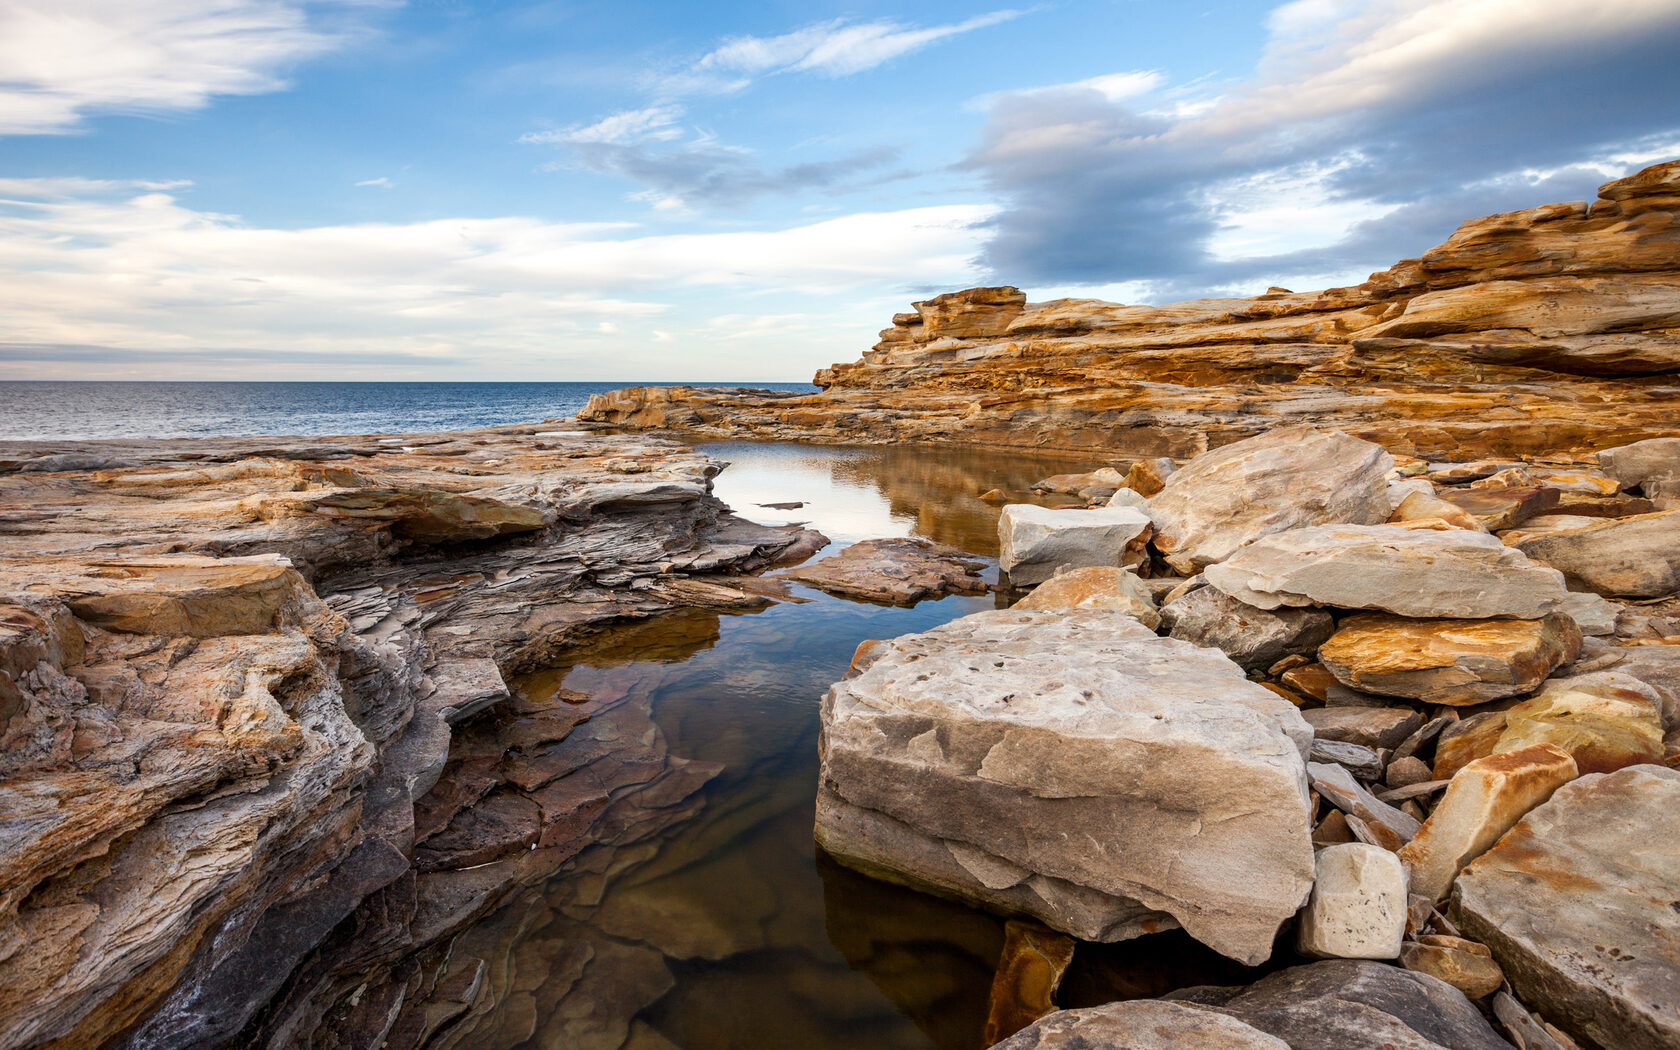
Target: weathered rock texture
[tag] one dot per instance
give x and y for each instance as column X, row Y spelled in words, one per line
column 1578, row 904
column 1141, row 1024
column 896, row 571
column 1075, row 767
column 1457, row 662
column 241, row 684
column 1547, row 330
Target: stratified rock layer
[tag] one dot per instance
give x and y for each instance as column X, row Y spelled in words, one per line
column 247, row 738
column 1578, row 904
column 1076, row 767
column 1550, row 330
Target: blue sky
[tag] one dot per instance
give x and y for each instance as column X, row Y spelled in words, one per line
column 571, row 190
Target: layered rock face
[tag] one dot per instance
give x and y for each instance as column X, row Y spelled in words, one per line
column 1552, row 330
column 1073, row 766
column 241, row 686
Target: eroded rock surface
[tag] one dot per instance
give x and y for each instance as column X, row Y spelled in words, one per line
column 1577, row 903
column 962, row 757
column 1456, row 662
column 244, row 681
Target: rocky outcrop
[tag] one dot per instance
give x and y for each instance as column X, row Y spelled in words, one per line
column 1075, row 767
column 1550, row 330
column 242, row 682
column 1578, row 904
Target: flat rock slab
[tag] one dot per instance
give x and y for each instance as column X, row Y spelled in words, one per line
column 1636, row 557
column 1633, row 465
column 894, row 571
column 1366, row 726
column 1141, row 1024
column 1282, row 480
column 1255, row 638
column 1456, row 662
column 1076, row 767
column 1035, row 543
column 1505, row 507
column 1451, row 573
column 1578, row 904
column 1346, row 1004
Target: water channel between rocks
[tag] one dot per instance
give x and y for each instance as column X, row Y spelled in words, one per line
column 704, row 917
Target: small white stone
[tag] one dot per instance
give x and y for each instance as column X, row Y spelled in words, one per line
column 1035, row 542
column 1358, row 904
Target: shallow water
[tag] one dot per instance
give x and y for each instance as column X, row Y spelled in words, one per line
column 724, row 928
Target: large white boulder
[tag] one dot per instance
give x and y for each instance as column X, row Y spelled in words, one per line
column 1076, row 767
column 1281, row 480
column 1450, row 573
column 1035, row 543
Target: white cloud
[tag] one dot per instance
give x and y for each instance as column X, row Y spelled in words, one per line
column 837, row 48
column 652, row 124
column 62, row 60
column 383, row 182
column 126, row 266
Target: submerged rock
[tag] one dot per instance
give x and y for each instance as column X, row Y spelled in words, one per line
column 1036, row 543
column 1075, row 767
column 1030, row 969
column 1577, row 904
column 894, row 571
column 1456, row 662
column 1279, row 481
column 1419, row 573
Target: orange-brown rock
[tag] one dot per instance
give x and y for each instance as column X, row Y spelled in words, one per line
column 1550, row 330
column 1605, row 720
column 1457, row 662
column 1029, row 972
column 1484, row 799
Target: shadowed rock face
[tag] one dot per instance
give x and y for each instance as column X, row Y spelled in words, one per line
column 254, row 731
column 1555, row 329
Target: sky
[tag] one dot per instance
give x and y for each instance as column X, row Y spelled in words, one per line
column 636, row 190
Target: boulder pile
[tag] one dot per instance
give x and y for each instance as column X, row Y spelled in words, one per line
column 1417, row 721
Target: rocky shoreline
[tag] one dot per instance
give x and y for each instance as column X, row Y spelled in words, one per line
column 1360, row 644
column 1277, row 705
column 262, row 764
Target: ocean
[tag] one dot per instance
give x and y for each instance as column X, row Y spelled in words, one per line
column 88, row 410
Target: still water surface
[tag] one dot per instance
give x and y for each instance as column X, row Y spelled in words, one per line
column 727, row 929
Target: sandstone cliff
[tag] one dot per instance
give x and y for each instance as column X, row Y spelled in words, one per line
column 1552, row 330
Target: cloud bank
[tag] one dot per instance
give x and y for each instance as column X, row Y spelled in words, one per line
column 1368, row 130
column 126, row 273
column 66, row 60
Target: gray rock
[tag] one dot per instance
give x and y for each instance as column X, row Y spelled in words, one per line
column 1591, row 613
column 1254, row 638
column 1577, row 902
column 1349, row 1004
column 1368, row 726
column 1077, row 767
column 1422, row 572
column 1634, row 465
column 1392, row 827
column 1637, row 557
column 1361, row 761
column 1035, row 543
column 1140, row 1024
column 1281, row 480
column 1358, row 904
